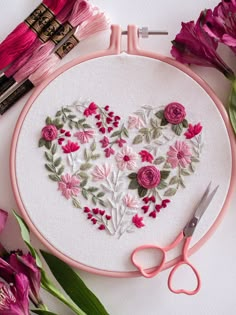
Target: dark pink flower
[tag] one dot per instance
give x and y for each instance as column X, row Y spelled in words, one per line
column 105, row 142
column 49, row 133
column 193, row 130
column 109, row 152
column 148, row 177
column 92, row 109
column 120, row 142
column 70, row 147
column 146, row 156
column 3, row 219
column 194, row 46
column 138, row 221
column 174, row 113
column 179, row 154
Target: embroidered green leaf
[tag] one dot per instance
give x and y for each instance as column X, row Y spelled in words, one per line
column 86, row 126
column 192, row 167
column 66, row 110
column 85, row 166
column 86, row 155
column 60, row 170
column 144, row 131
column 48, row 156
column 138, row 139
column 48, row 121
column 80, row 121
column 125, row 132
column 41, row 142
column 148, row 138
column 59, row 126
column 159, row 160
column 170, row 192
column 95, row 156
column 83, row 175
column 92, row 189
column 54, row 149
column 56, row 122
column 76, row 203
column 133, row 184
column 154, row 123
column 164, row 122
column 174, row 180
column 160, row 114
column 156, row 133
column 102, row 203
column 71, row 116
column 50, row 168
column 64, row 119
column 85, row 194
column 167, row 165
column 54, row 177
column 132, row 175
column 115, row 134
column 57, row 162
column 94, row 200
column 194, row 159
column 182, row 182
column 93, row 146
column 84, row 183
column 162, row 185
column 177, row 129
column 185, row 123
column 70, row 125
column 48, row 144
column 142, row 191
column 184, row 172
column 165, row 174
column 100, row 195
column 58, row 114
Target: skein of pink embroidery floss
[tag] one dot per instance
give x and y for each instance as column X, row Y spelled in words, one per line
column 82, row 10
column 25, row 33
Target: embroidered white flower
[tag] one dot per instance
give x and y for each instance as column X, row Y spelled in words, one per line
column 126, row 159
column 101, row 172
column 131, row 201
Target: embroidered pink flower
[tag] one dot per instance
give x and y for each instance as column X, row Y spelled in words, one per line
column 148, row 177
column 105, row 142
column 193, row 130
column 135, row 122
column 101, row 172
column 126, row 159
column 84, row 136
column 70, row 147
column 131, row 202
column 146, row 156
column 49, row 133
column 174, row 113
column 92, row 109
column 179, row 154
column 120, row 142
column 109, row 152
column 138, row 221
column 69, row 186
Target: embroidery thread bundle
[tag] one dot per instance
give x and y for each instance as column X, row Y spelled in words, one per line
column 82, row 10
column 120, row 173
column 96, row 23
column 25, row 33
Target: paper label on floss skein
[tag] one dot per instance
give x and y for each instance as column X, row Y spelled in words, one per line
column 49, row 31
column 67, row 47
column 62, row 32
column 35, row 15
column 46, row 18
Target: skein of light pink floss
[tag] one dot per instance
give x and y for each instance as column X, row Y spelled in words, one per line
column 47, row 33
column 25, row 34
column 82, row 10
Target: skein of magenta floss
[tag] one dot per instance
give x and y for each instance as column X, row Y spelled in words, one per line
column 25, row 33
column 82, row 10
column 96, row 23
column 47, row 33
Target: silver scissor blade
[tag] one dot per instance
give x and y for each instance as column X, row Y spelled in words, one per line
column 205, row 203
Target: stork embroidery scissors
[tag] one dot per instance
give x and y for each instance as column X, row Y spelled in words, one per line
column 185, row 235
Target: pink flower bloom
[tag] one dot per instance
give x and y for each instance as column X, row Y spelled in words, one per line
column 120, row 142
column 174, row 113
column 135, row 122
column 92, row 109
column 3, row 219
column 179, row 154
column 146, row 156
column 126, row 158
column 84, row 136
column 194, row 46
column 49, row 133
column 69, row 186
column 138, row 221
column 109, row 152
column 70, row 147
column 131, row 202
column 193, row 131
column 101, row 172
column 149, row 177
column 105, row 142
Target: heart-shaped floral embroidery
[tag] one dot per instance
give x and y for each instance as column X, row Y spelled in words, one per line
column 120, row 172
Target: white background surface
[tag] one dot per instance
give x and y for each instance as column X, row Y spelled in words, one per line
column 216, row 260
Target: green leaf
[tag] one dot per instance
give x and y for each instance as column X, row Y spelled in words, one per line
column 185, row 123
column 167, row 165
column 133, row 184
column 42, row 142
column 160, row 114
column 95, row 156
column 138, row 139
column 170, row 192
column 115, row 134
column 57, row 162
column 86, row 126
column 86, row 155
column 159, row 160
column 132, row 175
column 177, row 129
column 102, row 203
column 25, row 233
column 83, row 175
column 125, row 132
column 194, row 159
column 92, row 189
column 66, row 110
column 156, row 133
column 84, row 183
column 142, row 191
column 144, row 131
column 48, row 156
column 184, row 172
column 232, row 106
column 48, row 144
column 50, row 168
column 60, row 170
column 162, row 185
column 93, row 146
column 164, row 122
column 154, row 123
column 48, row 121
column 56, row 122
column 42, row 312
column 192, row 167
column 76, row 203
column 100, row 195
column 174, row 180
column 71, row 116
column 85, row 166
column 58, row 114
column 85, row 194
column 148, row 138
column 80, row 121
column 165, row 174
column 94, row 200
column 54, row 177
column 74, row 286
column 54, row 149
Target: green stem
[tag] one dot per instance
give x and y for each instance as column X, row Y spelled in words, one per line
column 232, row 105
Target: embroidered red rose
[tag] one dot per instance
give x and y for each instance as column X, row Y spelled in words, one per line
column 193, row 131
column 90, row 110
column 174, row 113
column 146, row 156
column 148, row 177
column 70, row 147
column 49, row 133
column 138, row 221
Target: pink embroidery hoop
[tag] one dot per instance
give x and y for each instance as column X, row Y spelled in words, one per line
column 115, row 49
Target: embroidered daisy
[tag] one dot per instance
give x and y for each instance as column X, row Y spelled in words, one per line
column 69, row 186
column 179, row 154
column 126, row 158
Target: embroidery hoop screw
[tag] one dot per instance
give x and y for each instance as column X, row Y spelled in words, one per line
column 144, row 32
